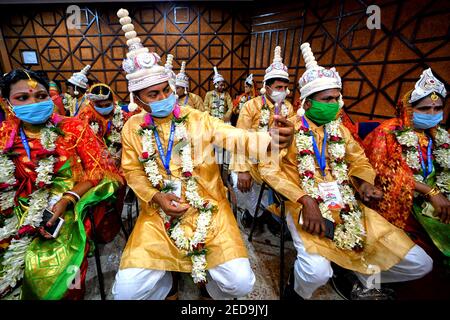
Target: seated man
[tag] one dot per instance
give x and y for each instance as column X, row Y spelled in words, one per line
column 218, row 102
column 258, row 115
column 75, row 98
column 238, row 103
column 186, row 98
column 416, row 184
column 185, row 224
column 320, row 175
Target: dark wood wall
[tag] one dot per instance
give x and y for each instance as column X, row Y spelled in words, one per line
column 377, row 66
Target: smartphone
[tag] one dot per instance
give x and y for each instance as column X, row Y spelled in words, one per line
column 56, row 227
column 329, row 227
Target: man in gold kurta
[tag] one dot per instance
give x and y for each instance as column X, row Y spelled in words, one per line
column 218, row 102
column 75, row 99
column 186, row 98
column 184, row 210
column 258, row 115
column 363, row 241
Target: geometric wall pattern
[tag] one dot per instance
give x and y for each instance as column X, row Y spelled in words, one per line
column 377, row 66
column 203, row 36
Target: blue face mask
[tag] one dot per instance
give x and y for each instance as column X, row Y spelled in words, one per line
column 34, row 113
column 104, row 111
column 163, row 108
column 427, row 121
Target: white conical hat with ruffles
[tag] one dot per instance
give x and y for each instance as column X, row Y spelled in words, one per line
column 142, row 67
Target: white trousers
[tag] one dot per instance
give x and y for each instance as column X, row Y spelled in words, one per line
column 248, row 200
column 232, row 279
column 312, row 271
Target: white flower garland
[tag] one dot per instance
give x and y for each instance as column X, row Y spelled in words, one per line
column 194, row 246
column 7, row 169
column 218, row 105
column 14, row 257
column 94, row 126
column 13, row 261
column 441, row 152
column 350, row 234
column 242, row 101
column 265, row 113
column 114, row 139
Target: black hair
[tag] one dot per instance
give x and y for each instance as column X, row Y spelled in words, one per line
column 271, row 81
column 91, row 82
column 15, row 76
column 43, row 75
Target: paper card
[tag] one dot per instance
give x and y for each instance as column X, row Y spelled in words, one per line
column 175, row 185
column 329, row 191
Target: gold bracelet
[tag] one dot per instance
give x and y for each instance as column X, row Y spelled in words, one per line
column 433, row 192
column 72, row 200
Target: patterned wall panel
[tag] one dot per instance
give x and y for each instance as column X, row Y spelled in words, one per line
column 203, row 35
column 377, row 66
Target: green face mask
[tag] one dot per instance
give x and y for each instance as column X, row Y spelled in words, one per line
column 322, row 112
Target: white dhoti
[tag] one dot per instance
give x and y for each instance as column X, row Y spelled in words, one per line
column 312, row 271
column 232, row 279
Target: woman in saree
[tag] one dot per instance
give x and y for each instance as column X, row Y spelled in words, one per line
column 411, row 154
column 52, row 162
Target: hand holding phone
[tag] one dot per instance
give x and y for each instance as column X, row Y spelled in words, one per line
column 329, row 227
column 53, row 230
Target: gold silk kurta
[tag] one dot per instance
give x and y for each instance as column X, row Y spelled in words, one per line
column 208, row 102
column 193, row 101
column 149, row 246
column 385, row 245
column 249, row 117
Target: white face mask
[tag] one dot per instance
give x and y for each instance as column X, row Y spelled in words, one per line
column 278, row 96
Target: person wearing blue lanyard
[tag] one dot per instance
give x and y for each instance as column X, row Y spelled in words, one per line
column 186, row 98
column 336, row 235
column 74, row 98
column 416, row 177
column 185, row 223
column 258, row 114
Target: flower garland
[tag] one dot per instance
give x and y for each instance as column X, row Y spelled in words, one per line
column 194, row 246
column 409, row 141
column 265, row 113
column 14, row 258
column 94, row 126
column 218, row 106
column 242, row 101
column 350, row 234
column 114, row 140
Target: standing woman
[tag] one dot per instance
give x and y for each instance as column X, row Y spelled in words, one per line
column 46, row 162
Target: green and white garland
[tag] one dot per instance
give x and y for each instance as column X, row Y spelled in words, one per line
column 409, row 140
column 265, row 113
column 194, row 246
column 114, row 139
column 350, row 234
column 218, row 105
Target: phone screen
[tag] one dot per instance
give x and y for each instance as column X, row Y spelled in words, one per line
column 54, row 229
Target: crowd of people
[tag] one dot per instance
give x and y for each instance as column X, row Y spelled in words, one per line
column 356, row 209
